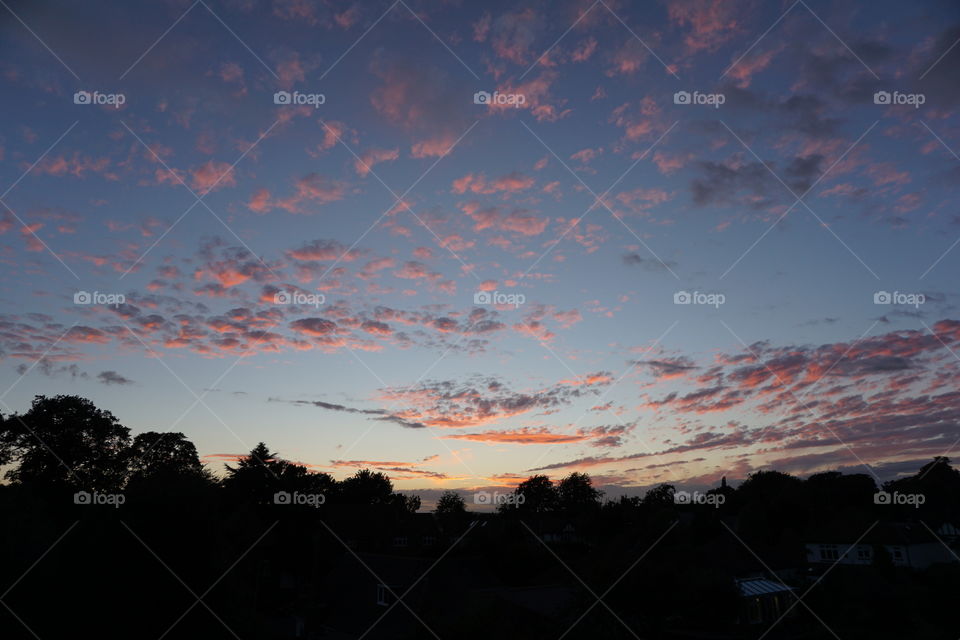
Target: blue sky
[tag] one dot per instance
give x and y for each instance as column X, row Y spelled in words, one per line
column 592, row 199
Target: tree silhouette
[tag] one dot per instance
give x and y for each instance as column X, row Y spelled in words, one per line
column 661, row 495
column 536, row 494
column 66, row 441
column 451, row 504
column 405, row 503
column 367, row 487
column 575, row 494
column 259, row 475
column 939, row 484
column 939, row 471
column 770, row 503
column 296, row 477
column 259, row 460
column 451, row 512
column 256, row 476
column 832, row 494
column 162, row 455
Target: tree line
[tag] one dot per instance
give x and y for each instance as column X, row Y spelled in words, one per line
column 66, row 442
column 257, row 564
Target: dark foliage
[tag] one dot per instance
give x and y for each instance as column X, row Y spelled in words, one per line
column 109, row 537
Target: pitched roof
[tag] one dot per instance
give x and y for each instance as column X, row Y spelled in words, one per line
column 760, row 586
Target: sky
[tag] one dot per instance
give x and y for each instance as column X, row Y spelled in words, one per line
column 466, row 242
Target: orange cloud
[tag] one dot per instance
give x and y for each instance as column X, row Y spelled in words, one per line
column 478, row 183
column 371, row 157
column 212, row 175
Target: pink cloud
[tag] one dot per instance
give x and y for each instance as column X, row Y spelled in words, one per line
column 231, row 72
column 584, row 50
column 517, row 221
column 478, row 183
column 312, row 188
column 296, row 10
column 628, row 59
column 424, row 253
column 333, row 132
column 638, row 121
column 324, row 251
column 291, row 71
column 432, row 147
column 481, row 28
column 314, row 327
column 259, row 201
column 537, row 98
column 567, row 319
column 29, row 233
column 412, row 270
column 84, row 334
column 75, row 165
column 585, row 156
column 212, row 175
column 371, row 157
column 513, row 35
column 711, row 22
column 744, row 70
column 668, row 162
column 347, row 18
